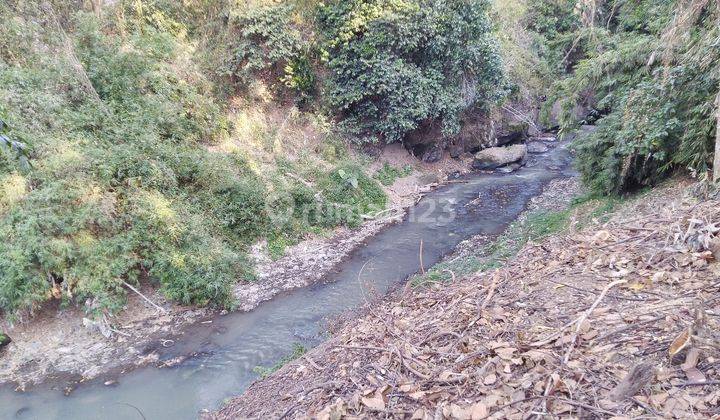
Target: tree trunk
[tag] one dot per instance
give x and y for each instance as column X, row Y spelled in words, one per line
column 716, row 163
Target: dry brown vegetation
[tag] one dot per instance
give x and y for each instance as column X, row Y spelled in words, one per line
column 613, row 319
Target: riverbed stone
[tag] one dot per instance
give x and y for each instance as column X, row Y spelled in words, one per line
column 495, row 157
column 456, row 150
column 429, row 179
column 537, row 147
column 508, row 169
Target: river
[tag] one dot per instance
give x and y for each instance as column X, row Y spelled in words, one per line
column 231, row 346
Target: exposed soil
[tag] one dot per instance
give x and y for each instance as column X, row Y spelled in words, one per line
column 615, row 318
column 404, row 191
column 56, row 345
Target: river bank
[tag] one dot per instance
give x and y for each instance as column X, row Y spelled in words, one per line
column 216, row 357
column 60, row 345
column 590, row 323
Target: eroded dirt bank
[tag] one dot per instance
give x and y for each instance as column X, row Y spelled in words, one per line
column 59, row 345
column 613, row 318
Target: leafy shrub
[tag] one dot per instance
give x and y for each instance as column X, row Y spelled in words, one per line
column 240, row 206
column 119, row 151
column 267, row 45
column 388, row 173
column 351, row 194
column 300, row 77
column 397, row 64
column 340, row 196
column 555, row 24
column 654, row 84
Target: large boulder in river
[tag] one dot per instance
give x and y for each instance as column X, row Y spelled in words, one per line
column 495, row 157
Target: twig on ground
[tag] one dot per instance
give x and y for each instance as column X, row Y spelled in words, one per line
column 627, row 327
column 698, row 383
column 491, row 291
column 147, row 299
column 312, row 363
column 645, row 407
column 586, row 406
column 585, row 316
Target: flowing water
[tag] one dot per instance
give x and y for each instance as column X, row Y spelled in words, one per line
column 232, row 346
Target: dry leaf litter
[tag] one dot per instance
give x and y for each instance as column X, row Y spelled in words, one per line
column 616, row 320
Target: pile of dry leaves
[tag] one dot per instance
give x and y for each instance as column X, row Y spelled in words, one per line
column 619, row 319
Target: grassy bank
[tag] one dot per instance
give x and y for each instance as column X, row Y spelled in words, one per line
column 533, row 226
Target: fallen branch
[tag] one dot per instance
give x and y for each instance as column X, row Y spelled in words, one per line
column 585, row 317
column 313, row 364
column 586, row 406
column 698, row 383
column 158, row 307
column 409, row 367
column 491, row 291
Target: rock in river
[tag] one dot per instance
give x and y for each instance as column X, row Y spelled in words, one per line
column 537, row 147
column 495, row 157
column 508, row 169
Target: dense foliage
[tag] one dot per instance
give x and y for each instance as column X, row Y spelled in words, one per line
column 398, row 64
column 119, row 183
column 553, row 24
column 651, row 70
column 145, row 142
column 124, row 183
column 264, row 42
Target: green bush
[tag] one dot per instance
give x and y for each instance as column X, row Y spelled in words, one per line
column 395, row 65
column 350, row 194
column 266, row 44
column 118, row 136
column 388, row 173
column 554, row 24
column 240, row 206
column 654, row 86
column 300, row 77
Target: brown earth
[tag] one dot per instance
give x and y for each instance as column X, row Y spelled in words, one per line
column 612, row 319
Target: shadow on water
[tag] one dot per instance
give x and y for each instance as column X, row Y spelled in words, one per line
column 231, row 346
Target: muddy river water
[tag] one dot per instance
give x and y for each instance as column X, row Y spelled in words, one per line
column 229, row 348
